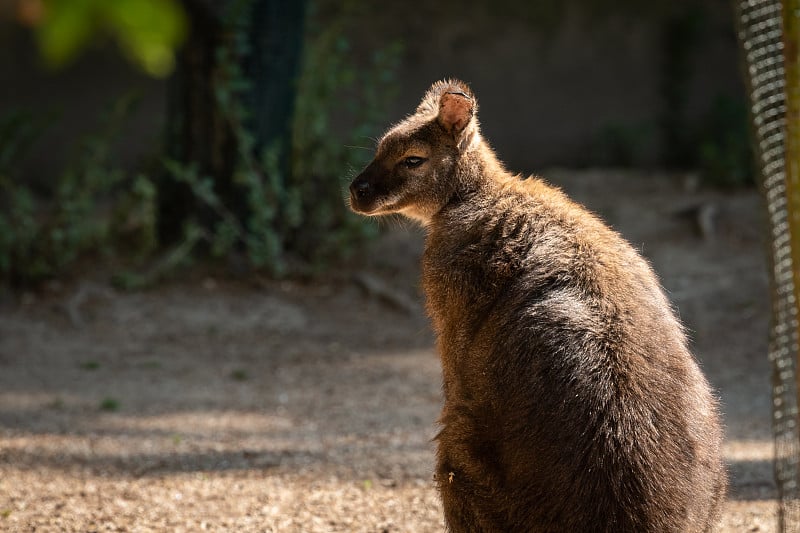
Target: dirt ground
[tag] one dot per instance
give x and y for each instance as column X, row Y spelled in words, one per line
column 310, row 406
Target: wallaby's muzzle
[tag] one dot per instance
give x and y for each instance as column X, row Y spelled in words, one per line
column 360, row 193
column 373, row 189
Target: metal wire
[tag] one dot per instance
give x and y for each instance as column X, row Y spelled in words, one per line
column 761, row 39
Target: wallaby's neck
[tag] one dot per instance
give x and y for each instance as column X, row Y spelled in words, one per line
column 478, row 172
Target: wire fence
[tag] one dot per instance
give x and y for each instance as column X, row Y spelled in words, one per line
column 761, row 39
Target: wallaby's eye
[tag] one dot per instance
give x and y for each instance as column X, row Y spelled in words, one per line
column 413, row 162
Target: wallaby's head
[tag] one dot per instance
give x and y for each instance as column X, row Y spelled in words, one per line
column 416, row 165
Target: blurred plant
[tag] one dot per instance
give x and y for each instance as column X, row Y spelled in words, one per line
column 682, row 33
column 725, row 155
column 147, row 31
column 295, row 210
column 239, row 375
column 109, row 404
column 271, row 204
column 622, row 145
column 324, row 158
column 719, row 147
column 292, row 188
column 94, row 207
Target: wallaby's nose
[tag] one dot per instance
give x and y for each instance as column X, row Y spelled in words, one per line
column 359, row 188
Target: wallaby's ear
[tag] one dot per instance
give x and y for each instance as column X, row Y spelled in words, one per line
column 456, row 109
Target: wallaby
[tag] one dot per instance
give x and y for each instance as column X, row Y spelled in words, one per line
column 571, row 401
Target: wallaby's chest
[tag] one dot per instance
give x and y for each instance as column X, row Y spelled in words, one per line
column 460, row 282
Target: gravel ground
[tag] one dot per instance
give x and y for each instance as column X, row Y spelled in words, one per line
column 310, row 406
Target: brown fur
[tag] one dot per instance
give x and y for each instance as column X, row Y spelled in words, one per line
column 572, row 403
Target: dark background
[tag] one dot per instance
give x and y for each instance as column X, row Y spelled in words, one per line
column 573, row 84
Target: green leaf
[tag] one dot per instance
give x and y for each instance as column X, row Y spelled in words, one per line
column 67, row 28
column 147, row 31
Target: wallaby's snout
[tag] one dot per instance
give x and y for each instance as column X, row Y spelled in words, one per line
column 369, row 190
column 360, row 191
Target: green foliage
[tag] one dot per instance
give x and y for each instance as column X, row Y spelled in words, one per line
column 239, row 375
column 719, row 147
column 92, row 204
column 725, row 155
column 682, row 33
column 299, row 211
column 147, row 31
column 324, row 159
column 295, row 212
column 257, row 228
column 622, row 145
column 259, row 175
column 110, row 404
column 19, row 130
column 173, row 259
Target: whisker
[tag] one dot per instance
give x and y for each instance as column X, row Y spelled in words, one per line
column 358, row 147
